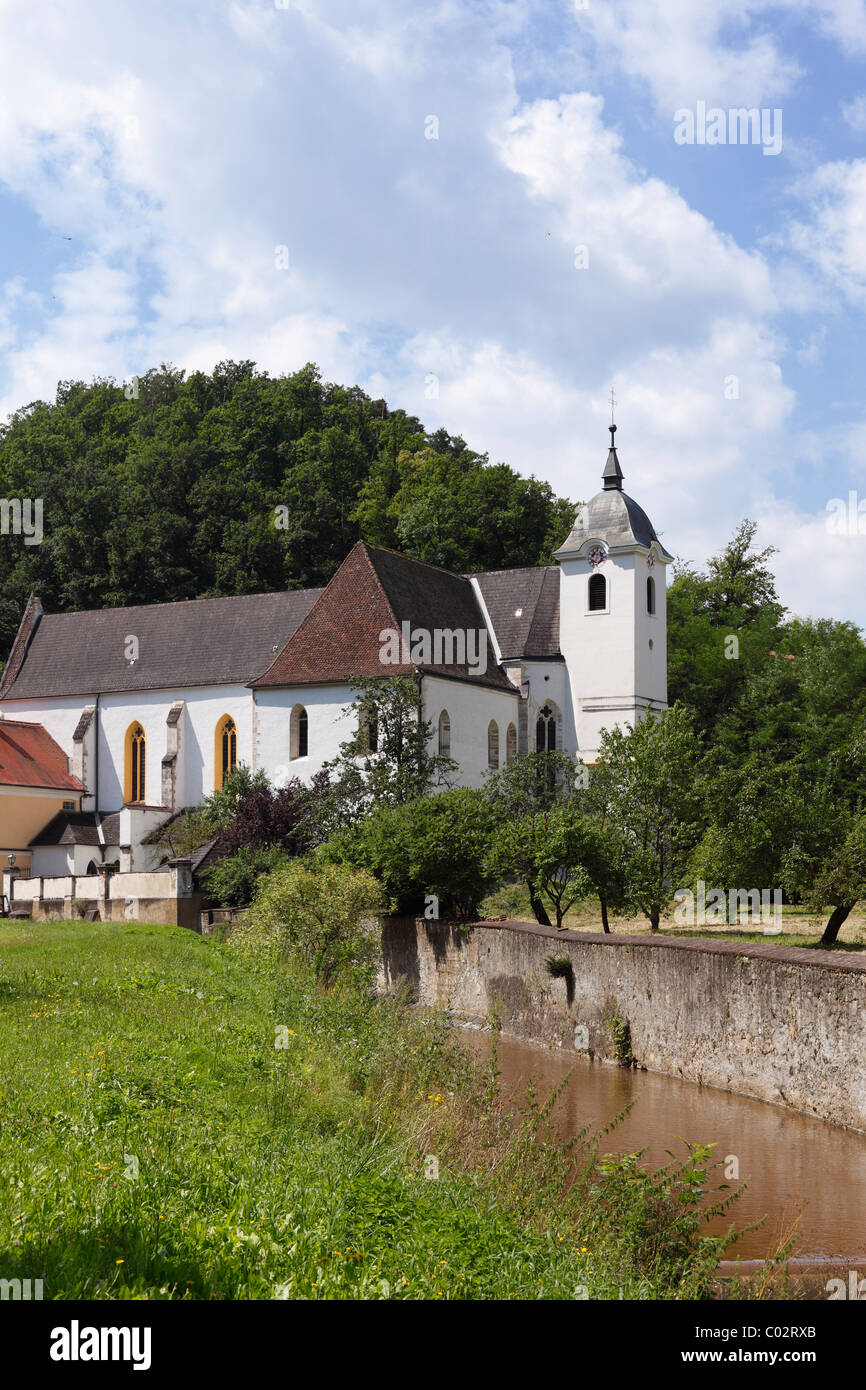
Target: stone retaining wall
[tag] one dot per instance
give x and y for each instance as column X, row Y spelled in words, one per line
column 786, row 1025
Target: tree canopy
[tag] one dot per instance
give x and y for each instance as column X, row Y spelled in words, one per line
column 236, row 482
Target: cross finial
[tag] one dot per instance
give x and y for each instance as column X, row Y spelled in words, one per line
column 612, row 475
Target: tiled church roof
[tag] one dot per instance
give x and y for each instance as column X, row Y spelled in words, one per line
column 374, row 590
column 523, row 605
column 206, row 641
column 293, row 638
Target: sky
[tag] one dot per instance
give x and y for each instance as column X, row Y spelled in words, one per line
column 490, row 212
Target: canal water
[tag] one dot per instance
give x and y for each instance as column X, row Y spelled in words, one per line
column 793, row 1165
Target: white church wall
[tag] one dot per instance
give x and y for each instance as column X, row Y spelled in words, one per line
column 329, row 723
column 651, row 666
column 470, row 710
column 203, row 709
column 549, row 684
column 50, row 860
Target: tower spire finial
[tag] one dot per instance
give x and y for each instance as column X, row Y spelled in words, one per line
column 612, row 475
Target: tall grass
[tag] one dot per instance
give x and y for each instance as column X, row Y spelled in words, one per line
column 176, row 1121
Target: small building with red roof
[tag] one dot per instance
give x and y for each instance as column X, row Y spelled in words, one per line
column 36, row 785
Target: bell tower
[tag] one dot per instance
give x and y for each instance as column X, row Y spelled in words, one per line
column 613, row 616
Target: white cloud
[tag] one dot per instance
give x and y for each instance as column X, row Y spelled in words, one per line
column 639, row 232
column 855, row 113
column 686, row 52
column 729, row 53
column 819, row 573
column 179, row 153
column 834, row 237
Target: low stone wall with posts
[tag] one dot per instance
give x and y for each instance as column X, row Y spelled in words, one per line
column 781, row 1024
column 164, row 896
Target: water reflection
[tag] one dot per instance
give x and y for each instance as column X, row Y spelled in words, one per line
column 791, row 1163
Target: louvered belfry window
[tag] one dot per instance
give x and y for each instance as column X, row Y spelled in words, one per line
column 597, row 593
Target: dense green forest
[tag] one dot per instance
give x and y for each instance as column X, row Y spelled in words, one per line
column 238, row 482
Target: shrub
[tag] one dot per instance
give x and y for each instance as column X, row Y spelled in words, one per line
column 382, row 845
column 320, row 916
column 289, row 818
column 248, row 813
column 437, row 845
column 232, row 881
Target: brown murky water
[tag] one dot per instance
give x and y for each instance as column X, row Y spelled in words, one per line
column 792, row 1164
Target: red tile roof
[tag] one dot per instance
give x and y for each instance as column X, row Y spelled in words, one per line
column 29, row 757
column 375, row 589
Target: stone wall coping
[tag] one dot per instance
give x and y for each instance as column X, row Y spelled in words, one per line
column 789, row 955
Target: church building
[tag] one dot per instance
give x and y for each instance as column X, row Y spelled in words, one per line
column 154, row 705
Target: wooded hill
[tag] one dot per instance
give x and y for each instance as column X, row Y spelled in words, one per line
column 237, row 482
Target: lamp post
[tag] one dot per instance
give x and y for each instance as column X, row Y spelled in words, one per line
column 12, row 871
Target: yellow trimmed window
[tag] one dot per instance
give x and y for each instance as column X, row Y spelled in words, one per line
column 135, row 764
column 225, row 750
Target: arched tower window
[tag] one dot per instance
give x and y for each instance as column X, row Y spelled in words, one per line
column 597, row 593
column 225, row 750
column 650, row 594
column 298, row 738
column 510, row 744
column 135, row 764
column 493, row 745
column 444, row 734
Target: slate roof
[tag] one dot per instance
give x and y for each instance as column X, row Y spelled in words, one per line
column 207, row 641
column 614, row 517
column 373, row 590
column 80, row 828
column 111, row 828
column 29, row 757
column 523, row 605
column 299, row 637
column 69, row 828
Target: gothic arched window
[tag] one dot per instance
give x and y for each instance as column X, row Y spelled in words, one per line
column 545, row 730
column 135, row 764
column 225, row 750
column 650, row 594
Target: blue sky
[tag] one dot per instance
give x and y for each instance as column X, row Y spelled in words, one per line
column 152, row 160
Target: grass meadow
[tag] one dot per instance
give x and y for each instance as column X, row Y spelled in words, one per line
column 178, row 1122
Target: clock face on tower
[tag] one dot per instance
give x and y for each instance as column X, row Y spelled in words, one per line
column 596, row 556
